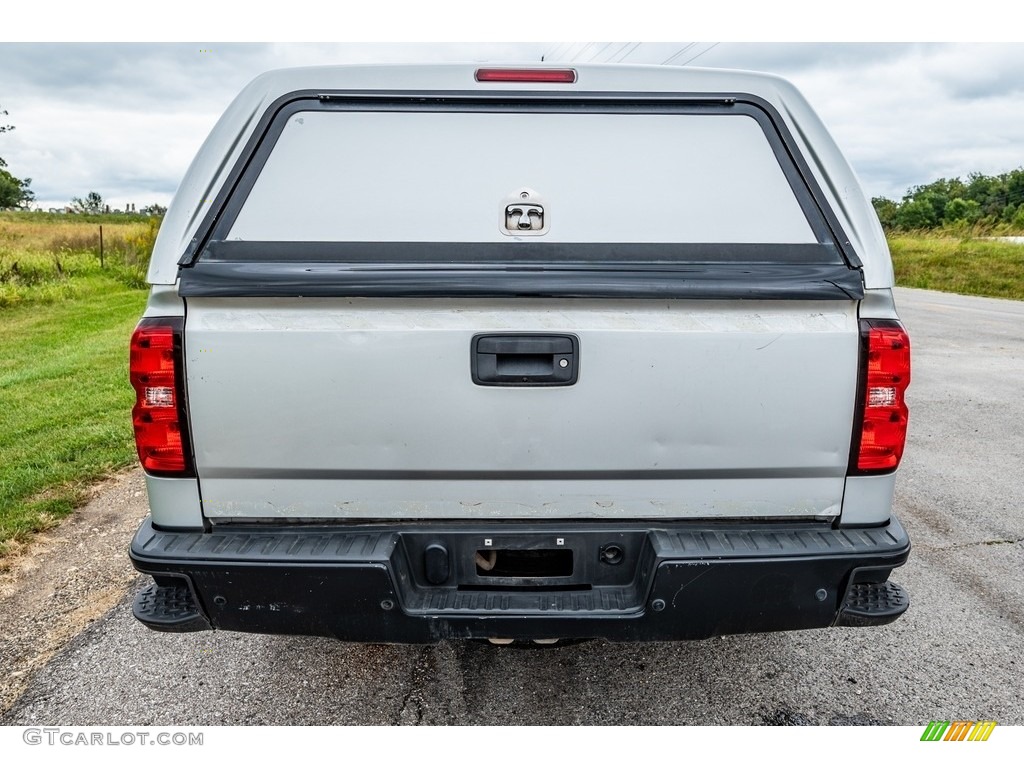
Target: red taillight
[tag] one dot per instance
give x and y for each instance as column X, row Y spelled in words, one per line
column 883, row 428
column 526, row 75
column 159, row 414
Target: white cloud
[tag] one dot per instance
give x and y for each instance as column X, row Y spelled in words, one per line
column 908, row 114
column 126, row 119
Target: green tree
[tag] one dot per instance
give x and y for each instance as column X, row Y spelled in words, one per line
column 990, row 192
column 1015, row 187
column 978, row 200
column 959, row 209
column 1018, row 219
column 938, row 200
column 916, row 214
column 937, row 194
column 886, row 210
column 93, row 203
column 14, row 192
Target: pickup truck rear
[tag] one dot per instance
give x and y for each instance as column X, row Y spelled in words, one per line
column 520, row 353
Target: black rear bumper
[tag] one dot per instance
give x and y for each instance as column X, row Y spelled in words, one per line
column 420, row 583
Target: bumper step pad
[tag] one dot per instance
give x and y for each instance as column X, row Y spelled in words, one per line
column 169, row 609
column 869, row 605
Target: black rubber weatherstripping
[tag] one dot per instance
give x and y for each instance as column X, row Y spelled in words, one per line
column 726, row 280
column 661, row 257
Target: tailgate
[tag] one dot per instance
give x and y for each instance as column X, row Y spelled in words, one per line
column 366, row 408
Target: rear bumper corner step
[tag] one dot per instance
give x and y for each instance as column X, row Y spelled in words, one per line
column 169, row 608
column 869, row 605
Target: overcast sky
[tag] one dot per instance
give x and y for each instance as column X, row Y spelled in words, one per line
column 126, row 119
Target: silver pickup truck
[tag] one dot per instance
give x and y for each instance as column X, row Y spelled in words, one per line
column 519, row 353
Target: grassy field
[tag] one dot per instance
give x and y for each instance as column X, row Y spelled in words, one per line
column 43, row 255
column 64, row 395
column 972, row 266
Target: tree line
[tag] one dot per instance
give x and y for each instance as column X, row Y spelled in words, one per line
column 980, row 201
column 93, row 203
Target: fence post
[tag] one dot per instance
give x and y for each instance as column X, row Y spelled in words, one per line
column 101, row 246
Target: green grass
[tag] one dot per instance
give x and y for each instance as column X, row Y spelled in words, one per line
column 65, row 400
column 976, row 267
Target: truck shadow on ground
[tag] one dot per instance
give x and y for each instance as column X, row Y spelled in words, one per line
column 118, row 672
column 225, row 678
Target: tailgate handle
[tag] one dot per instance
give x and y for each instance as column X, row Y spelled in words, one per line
column 524, row 360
